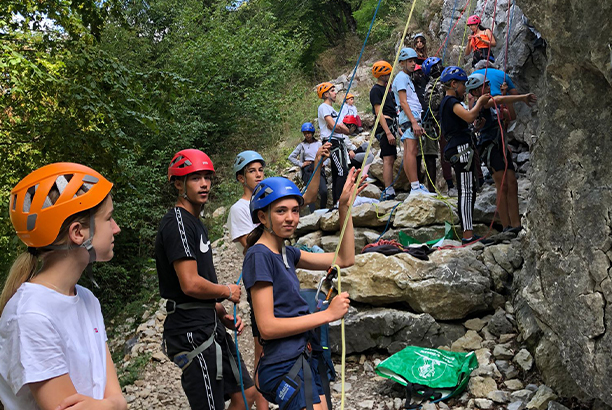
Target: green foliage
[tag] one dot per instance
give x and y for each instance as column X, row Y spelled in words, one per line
column 384, row 25
column 129, row 374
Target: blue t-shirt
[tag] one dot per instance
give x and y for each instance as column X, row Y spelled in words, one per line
column 402, row 82
column 263, row 265
column 496, row 79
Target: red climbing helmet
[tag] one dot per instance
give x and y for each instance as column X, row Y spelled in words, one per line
column 475, row 19
column 188, row 161
column 350, row 119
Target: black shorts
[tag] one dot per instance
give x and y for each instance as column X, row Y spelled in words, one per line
column 386, row 149
column 493, row 156
column 199, row 380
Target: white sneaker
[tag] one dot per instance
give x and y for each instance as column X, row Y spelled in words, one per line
column 421, row 190
column 452, row 192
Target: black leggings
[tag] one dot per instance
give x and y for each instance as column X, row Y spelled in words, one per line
column 466, row 183
column 339, row 169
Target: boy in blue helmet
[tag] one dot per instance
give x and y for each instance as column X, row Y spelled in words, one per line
column 460, row 149
column 409, row 109
column 493, row 149
column 305, row 157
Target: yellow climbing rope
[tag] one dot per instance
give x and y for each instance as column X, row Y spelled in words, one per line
column 359, row 179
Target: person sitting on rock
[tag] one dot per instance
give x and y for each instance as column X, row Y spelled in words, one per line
column 493, row 149
column 409, row 108
column 350, row 109
column 194, row 330
column 292, row 350
column 459, row 150
column 306, row 156
column 387, row 127
column 420, row 46
column 53, row 346
column 480, row 41
column 434, row 93
column 327, row 117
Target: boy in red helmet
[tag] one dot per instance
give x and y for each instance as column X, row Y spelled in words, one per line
column 194, row 330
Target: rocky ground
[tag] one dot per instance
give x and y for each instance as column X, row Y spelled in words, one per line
column 505, row 379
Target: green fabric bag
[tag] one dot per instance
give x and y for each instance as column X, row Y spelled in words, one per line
column 432, row 374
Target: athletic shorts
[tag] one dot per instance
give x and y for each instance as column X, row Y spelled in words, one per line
column 386, row 149
column 199, row 380
column 407, row 130
column 495, row 159
column 271, row 374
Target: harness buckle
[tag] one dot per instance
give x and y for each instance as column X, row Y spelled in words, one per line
column 173, row 303
column 181, row 360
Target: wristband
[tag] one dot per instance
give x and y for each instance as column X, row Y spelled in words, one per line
column 230, row 291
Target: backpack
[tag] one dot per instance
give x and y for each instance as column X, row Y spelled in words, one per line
column 428, row 374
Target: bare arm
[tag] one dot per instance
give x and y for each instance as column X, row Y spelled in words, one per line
column 491, row 37
column 340, row 127
column 294, row 157
column 196, row 286
column 472, row 114
column 59, row 393
column 385, row 127
column 272, row 327
column 511, row 99
column 312, row 191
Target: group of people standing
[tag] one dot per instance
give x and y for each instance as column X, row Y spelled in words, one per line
column 53, row 344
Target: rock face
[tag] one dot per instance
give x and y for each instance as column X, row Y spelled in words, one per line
column 565, row 288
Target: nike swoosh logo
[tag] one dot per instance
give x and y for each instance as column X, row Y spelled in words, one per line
column 204, row 247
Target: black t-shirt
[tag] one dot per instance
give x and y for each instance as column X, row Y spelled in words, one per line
column 420, row 82
column 182, row 235
column 376, row 95
column 490, row 130
column 454, row 129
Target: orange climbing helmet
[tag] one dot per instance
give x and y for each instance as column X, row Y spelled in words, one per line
column 37, row 217
column 189, row 161
column 349, row 95
column 381, row 68
column 323, row 88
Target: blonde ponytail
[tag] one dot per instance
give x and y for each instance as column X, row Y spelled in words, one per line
column 22, row 270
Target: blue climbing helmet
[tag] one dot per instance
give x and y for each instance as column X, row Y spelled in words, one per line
column 475, row 80
column 270, row 190
column 429, row 63
column 245, row 158
column 452, row 72
column 407, row 53
column 308, row 127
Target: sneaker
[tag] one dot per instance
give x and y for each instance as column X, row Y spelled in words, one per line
column 390, row 197
column 474, row 240
column 515, row 229
column 452, row 192
column 421, row 190
column 371, row 180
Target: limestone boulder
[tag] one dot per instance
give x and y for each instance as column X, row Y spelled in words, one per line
column 391, row 330
column 371, row 191
column 311, row 239
column 308, row 223
column 376, row 171
column 451, row 285
column 365, row 215
column 330, row 242
column 421, row 210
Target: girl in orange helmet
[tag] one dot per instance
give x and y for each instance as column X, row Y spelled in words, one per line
column 53, row 351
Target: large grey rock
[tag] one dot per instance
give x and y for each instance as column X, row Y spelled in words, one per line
column 330, row 242
column 451, row 285
column 486, row 201
column 499, row 324
column 376, row 171
column 308, row 223
column 366, row 215
column 542, row 397
column 391, row 330
column 421, row 210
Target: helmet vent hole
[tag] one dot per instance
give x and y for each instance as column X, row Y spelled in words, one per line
column 29, row 197
column 14, row 202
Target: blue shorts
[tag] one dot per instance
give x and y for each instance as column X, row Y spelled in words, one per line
column 271, row 374
column 407, row 130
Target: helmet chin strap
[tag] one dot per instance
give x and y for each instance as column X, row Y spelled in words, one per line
column 270, row 230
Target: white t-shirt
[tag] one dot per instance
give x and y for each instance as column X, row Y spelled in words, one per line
column 239, row 221
column 348, row 110
column 324, row 111
column 45, row 334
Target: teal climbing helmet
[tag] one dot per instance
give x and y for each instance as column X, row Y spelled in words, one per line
column 407, row 53
column 245, row 158
column 270, row 190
